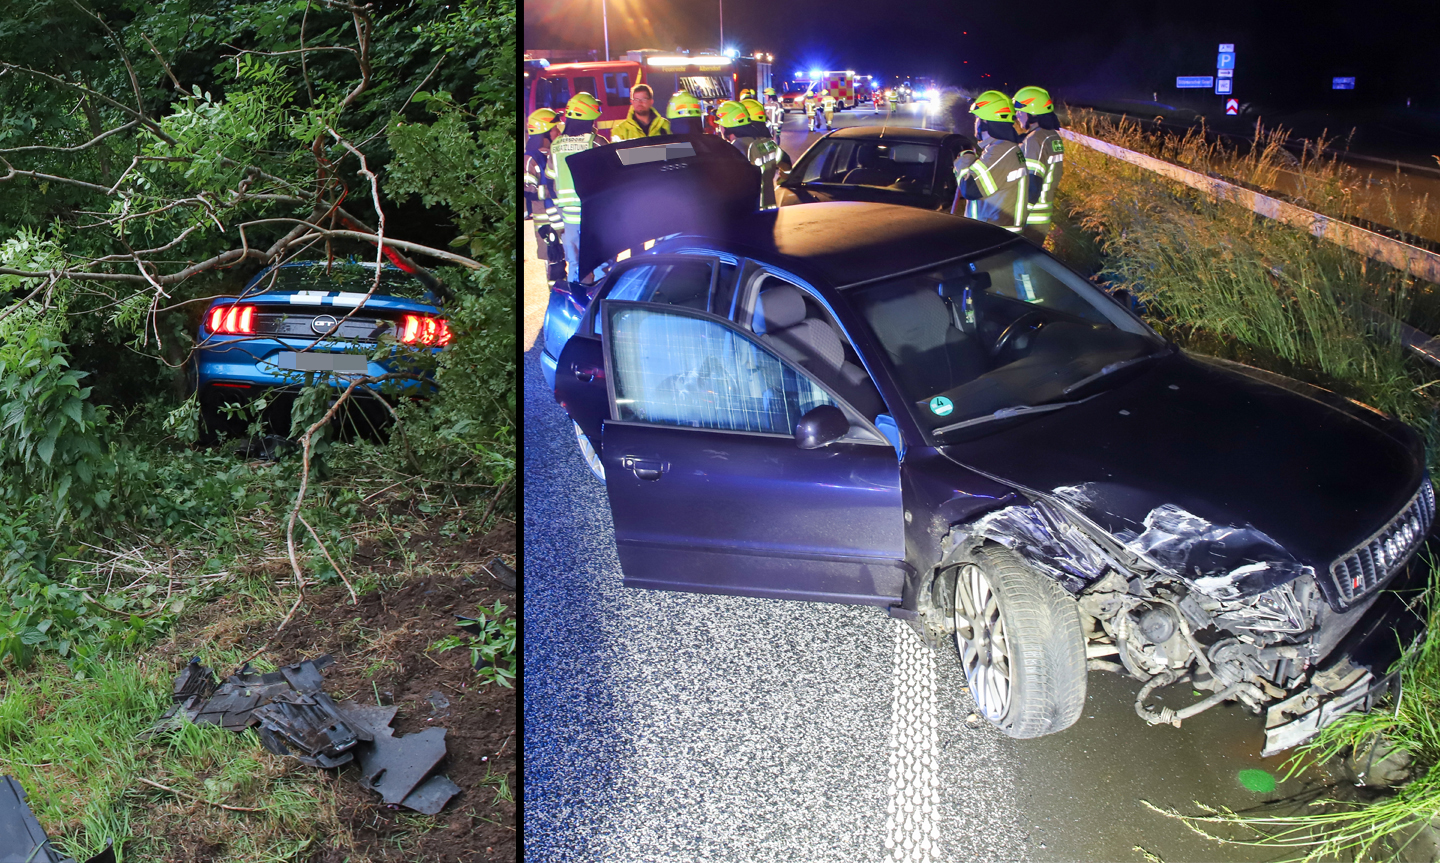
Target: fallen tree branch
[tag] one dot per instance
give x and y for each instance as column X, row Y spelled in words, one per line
column 197, row 797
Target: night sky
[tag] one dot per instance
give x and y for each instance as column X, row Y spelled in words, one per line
column 1287, row 53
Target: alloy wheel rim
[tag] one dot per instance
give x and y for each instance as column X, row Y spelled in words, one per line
column 980, row 636
column 592, row 458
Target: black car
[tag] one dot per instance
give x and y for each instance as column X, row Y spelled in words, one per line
column 936, row 417
column 886, row 165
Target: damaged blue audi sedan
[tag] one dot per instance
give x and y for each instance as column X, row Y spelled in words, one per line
column 872, row 404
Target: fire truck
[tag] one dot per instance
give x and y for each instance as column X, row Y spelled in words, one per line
column 609, row 82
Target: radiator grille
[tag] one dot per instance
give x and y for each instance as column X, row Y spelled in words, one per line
column 1365, row 568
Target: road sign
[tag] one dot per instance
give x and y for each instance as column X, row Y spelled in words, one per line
column 1194, row 82
column 1225, row 73
column 1342, row 83
column 1225, row 60
column 1222, row 86
column 1232, row 107
column 1227, row 47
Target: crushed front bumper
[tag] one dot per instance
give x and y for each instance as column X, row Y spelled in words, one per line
column 1359, row 671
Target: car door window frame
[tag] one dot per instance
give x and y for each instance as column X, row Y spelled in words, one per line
column 588, row 321
column 874, row 438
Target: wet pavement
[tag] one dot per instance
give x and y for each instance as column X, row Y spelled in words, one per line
column 672, row 726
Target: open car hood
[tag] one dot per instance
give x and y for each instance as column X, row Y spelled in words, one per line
column 634, row 191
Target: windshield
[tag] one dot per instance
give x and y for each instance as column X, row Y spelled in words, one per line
column 1012, row 329
column 904, row 166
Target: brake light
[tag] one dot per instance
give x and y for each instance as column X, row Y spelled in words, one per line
column 423, row 330
column 232, row 320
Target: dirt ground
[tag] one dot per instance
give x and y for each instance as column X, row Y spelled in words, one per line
column 379, row 646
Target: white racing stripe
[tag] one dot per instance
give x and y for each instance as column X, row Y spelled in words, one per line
column 912, row 823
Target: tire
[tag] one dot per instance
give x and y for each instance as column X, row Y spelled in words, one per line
column 1022, row 648
column 587, row 452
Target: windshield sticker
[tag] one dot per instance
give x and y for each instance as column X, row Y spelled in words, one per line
column 1027, row 291
column 941, row 406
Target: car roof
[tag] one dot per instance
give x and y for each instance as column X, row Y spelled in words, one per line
column 899, row 133
column 846, row 243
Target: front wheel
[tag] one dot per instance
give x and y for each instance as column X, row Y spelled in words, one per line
column 1020, row 642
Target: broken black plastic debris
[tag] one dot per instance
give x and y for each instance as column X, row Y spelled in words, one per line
column 22, row 839
column 294, row 717
column 503, row 573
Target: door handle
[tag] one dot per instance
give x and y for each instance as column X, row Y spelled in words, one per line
column 585, row 376
column 646, row 469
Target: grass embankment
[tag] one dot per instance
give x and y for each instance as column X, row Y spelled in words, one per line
column 1221, row 280
column 215, row 583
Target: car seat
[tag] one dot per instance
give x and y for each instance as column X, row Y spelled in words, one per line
column 799, row 331
column 870, row 169
column 917, row 332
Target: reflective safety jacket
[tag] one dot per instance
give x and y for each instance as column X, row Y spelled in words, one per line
column 558, row 171
column 1044, row 155
column 993, row 184
column 773, row 162
column 538, row 183
column 629, row 127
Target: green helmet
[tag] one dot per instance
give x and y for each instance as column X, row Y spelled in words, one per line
column 769, row 91
column 540, row 121
column 583, row 106
column 993, row 105
column 1033, row 100
column 755, row 110
column 747, row 93
column 682, row 104
column 731, row 114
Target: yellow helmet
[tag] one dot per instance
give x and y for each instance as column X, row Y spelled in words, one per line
column 731, row 114
column 682, row 104
column 540, row 121
column 747, row 93
column 993, row 105
column 583, row 106
column 769, row 91
column 754, row 109
column 1033, row 100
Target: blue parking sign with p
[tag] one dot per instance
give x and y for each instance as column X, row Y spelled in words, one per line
column 1225, row 61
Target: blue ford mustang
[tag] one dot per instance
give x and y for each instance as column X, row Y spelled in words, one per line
column 872, row 404
column 292, row 319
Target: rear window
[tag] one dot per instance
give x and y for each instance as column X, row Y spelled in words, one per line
column 906, row 167
column 343, row 276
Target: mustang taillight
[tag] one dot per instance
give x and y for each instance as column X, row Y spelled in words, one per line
column 422, row 330
column 232, row 320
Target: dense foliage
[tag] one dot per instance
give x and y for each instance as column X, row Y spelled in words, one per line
column 156, row 153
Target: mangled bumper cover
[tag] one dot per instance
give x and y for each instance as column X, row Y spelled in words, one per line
column 1358, row 672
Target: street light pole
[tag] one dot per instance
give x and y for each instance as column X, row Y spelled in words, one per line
column 722, row 26
column 605, row 23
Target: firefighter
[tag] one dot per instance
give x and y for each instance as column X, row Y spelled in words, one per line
column 764, row 153
column 774, row 113
column 641, row 121
column 581, row 112
column 1044, row 151
column 540, row 127
column 828, row 99
column 993, row 183
column 892, row 99
column 813, row 115
column 685, row 114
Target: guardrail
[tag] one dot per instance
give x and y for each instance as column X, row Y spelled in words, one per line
column 1418, row 262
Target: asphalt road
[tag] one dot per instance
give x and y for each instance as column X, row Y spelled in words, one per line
column 685, row 727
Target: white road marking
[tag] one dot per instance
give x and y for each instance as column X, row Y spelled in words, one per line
column 912, row 824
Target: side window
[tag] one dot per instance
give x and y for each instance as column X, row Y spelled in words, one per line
column 585, row 85
column 617, row 89
column 677, row 370
column 677, row 283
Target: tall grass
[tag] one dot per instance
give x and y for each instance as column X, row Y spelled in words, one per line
column 1222, row 280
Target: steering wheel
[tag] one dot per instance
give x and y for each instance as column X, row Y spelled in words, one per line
column 1032, row 320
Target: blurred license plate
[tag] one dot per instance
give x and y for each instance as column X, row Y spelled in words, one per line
column 326, row 362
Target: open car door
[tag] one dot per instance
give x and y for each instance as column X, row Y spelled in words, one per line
column 635, row 191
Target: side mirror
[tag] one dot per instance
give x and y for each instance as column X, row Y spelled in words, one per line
column 820, row 427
